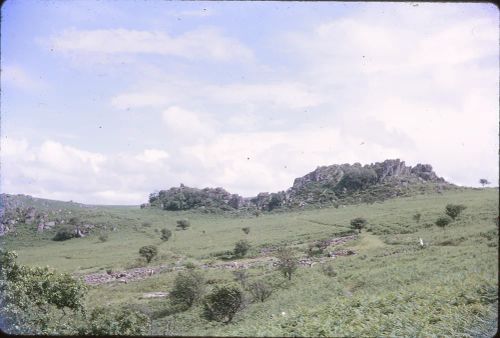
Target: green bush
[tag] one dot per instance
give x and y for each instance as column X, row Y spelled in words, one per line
column 223, row 303
column 241, row 248
column 443, row 221
column 260, row 290
column 165, row 234
column 358, row 223
column 317, row 248
column 103, row 237
column 246, row 230
column 183, row 224
column 188, row 288
column 65, row 232
column 453, row 210
column 148, row 252
column 105, row 322
column 329, row 270
column 287, row 262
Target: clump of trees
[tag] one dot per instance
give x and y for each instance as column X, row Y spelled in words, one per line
column 223, row 302
column 183, row 224
column 358, row 223
column 241, row 248
column 287, row 262
column 454, row 210
column 148, row 252
column 165, row 234
column 188, row 288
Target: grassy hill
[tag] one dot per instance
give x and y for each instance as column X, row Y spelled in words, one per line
column 391, row 286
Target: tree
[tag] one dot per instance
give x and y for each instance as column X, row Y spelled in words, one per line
column 453, row 210
column 246, row 230
column 358, row 223
column 443, row 221
column 223, row 303
column 417, row 217
column 188, row 288
column 75, row 221
column 106, row 322
column 65, row 232
column 241, row 248
column 260, row 290
column 287, row 262
column 183, row 224
column 483, row 181
column 165, row 234
column 148, row 252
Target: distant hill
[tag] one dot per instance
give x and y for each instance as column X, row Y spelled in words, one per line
column 332, row 185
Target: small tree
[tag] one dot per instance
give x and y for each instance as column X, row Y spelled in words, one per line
column 241, row 248
column 287, row 262
column 148, row 252
column 183, row 224
column 223, row 303
column 317, row 248
column 75, row 221
column 443, row 221
column 483, row 181
column 260, row 290
column 417, row 217
column 358, row 223
column 246, row 230
column 65, row 232
column 453, row 210
column 188, row 288
column 165, row 234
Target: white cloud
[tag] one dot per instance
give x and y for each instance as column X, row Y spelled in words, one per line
column 16, row 76
column 152, row 155
column 186, row 125
column 137, row 100
column 204, row 43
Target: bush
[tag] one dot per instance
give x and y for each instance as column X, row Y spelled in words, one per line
column 317, row 248
column 183, row 224
column 148, row 252
column 165, row 234
column 105, row 322
column 241, row 276
column 260, row 290
column 75, row 221
column 241, row 248
column 329, row 270
column 417, row 217
column 223, row 303
column 453, row 210
column 103, row 237
column 190, row 265
column 287, row 262
column 65, row 232
column 188, row 288
column 443, row 221
column 358, row 223
column 246, row 230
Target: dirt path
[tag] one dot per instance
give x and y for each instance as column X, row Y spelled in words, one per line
column 265, row 260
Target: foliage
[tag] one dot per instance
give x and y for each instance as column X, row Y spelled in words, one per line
column 329, row 270
column 317, row 248
column 165, row 234
column 223, row 303
column 260, row 290
column 246, row 230
column 241, row 248
column 454, row 210
column 105, row 321
column 443, row 221
column 183, row 224
column 417, row 217
column 358, row 223
column 65, row 232
column 75, row 220
column 188, row 288
column 148, row 252
column 103, row 237
column 483, row 181
column 287, row 262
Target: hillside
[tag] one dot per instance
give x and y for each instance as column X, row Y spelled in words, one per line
column 332, row 185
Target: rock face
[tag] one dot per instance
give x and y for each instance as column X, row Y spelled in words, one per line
column 330, row 185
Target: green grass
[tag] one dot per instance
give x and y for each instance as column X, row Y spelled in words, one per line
column 392, row 287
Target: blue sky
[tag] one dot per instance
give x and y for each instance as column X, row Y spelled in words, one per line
column 106, row 101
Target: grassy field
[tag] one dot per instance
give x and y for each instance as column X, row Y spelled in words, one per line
column 391, row 287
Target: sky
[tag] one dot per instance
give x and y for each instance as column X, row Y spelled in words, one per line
column 104, row 102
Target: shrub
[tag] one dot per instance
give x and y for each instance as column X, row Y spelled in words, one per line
column 453, row 210
column 223, row 303
column 417, row 217
column 443, row 221
column 246, row 230
column 241, row 276
column 188, row 289
column 103, row 237
column 148, row 252
column 190, row 265
column 75, row 221
column 105, row 322
column 260, row 290
column 183, row 224
column 483, row 181
column 329, row 270
column 241, row 248
column 358, row 223
column 165, row 234
column 317, row 248
column 65, row 232
column 287, row 262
